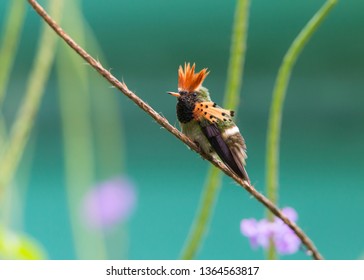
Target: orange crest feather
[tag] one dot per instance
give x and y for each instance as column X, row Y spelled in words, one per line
column 188, row 80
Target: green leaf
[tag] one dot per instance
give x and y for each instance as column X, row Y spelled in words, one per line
column 20, row 246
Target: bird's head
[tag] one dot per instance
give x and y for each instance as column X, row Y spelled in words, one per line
column 190, row 83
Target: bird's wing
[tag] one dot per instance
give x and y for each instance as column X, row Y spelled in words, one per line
column 208, row 114
column 211, row 112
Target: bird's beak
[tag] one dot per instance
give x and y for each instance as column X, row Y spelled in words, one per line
column 175, row 94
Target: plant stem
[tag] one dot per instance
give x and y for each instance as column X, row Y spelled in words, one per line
column 10, row 40
column 12, row 30
column 14, row 147
column 276, row 109
column 203, row 216
column 237, row 55
column 77, row 128
column 231, row 101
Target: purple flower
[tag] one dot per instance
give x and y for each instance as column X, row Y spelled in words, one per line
column 260, row 232
column 109, row 203
column 257, row 231
column 285, row 240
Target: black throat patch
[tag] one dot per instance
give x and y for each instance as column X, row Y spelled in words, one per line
column 185, row 106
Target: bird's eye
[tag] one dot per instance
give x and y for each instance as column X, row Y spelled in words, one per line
column 194, row 94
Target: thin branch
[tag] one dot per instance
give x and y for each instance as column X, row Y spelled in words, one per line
column 163, row 122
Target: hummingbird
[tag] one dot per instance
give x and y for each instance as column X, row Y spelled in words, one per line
column 205, row 123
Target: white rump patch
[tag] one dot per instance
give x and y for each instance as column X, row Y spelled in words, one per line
column 230, row 131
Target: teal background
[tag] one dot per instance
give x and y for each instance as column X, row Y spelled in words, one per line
column 322, row 143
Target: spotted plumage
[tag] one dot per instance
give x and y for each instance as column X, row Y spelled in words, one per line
column 209, row 126
column 211, row 112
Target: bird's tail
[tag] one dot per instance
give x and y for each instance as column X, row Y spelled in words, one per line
column 239, row 156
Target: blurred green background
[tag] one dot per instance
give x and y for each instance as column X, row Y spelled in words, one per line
column 143, row 42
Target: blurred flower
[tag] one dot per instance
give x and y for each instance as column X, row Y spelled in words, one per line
column 285, row 240
column 260, row 232
column 109, row 203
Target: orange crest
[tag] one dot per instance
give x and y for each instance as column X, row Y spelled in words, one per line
column 188, row 80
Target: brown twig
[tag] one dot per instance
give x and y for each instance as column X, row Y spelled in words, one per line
column 163, row 122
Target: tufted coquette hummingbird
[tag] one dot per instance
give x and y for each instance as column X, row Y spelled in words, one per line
column 208, row 125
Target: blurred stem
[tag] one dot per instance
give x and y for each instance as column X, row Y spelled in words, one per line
column 109, row 142
column 200, row 224
column 231, row 101
column 25, row 119
column 12, row 29
column 15, row 202
column 79, row 157
column 10, row 40
column 108, row 128
column 276, row 109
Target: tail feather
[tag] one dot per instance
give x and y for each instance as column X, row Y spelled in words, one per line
column 239, row 156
